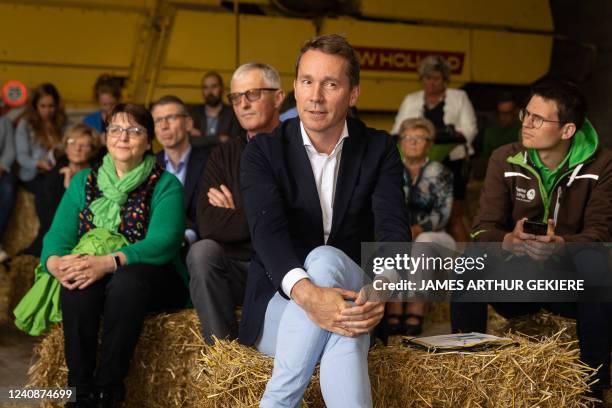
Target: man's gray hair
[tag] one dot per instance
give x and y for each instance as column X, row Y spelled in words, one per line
column 270, row 73
column 434, row 63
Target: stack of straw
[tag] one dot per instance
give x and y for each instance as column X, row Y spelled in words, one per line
column 540, row 325
column 542, row 374
column 23, row 225
column 160, row 373
column 15, row 283
column 173, row 367
column 5, row 295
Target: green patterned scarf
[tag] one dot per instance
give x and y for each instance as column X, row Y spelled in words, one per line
column 106, row 209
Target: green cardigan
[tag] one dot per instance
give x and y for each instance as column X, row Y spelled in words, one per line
column 164, row 237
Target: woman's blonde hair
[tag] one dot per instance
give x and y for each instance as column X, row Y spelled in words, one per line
column 418, row 123
column 81, row 130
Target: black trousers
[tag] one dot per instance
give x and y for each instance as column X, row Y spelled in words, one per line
column 124, row 299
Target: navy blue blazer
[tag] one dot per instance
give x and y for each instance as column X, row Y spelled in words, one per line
column 284, row 212
column 195, row 168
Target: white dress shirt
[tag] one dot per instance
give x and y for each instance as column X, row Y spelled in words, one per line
column 180, row 171
column 325, row 171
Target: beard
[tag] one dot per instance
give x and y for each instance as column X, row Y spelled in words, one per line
column 212, row 100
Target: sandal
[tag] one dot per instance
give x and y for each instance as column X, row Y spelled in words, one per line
column 410, row 329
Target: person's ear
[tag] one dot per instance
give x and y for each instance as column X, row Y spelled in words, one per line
column 279, row 97
column 568, row 131
column 354, row 96
column 188, row 123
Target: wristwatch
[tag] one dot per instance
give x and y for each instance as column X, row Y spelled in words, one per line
column 117, row 260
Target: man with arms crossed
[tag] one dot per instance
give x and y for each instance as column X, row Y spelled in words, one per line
column 313, row 190
column 218, row 263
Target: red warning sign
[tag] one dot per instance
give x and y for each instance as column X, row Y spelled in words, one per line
column 14, row 93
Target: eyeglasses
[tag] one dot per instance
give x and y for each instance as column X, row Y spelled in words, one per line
column 72, row 142
column 414, row 139
column 536, row 120
column 173, row 117
column 252, row 95
column 133, row 132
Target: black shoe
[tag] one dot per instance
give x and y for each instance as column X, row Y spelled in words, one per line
column 412, row 329
column 393, row 329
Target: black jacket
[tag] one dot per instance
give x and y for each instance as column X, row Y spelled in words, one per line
column 284, row 212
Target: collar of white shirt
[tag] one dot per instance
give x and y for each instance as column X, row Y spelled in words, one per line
column 307, row 142
column 170, row 167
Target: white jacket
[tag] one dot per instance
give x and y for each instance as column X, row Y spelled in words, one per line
column 458, row 111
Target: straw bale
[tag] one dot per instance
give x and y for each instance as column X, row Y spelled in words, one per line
column 23, row 225
column 172, row 367
column 437, row 312
column 543, row 374
column 21, row 274
column 14, row 283
column 538, row 325
column 229, row 374
column 160, row 372
column 5, row 293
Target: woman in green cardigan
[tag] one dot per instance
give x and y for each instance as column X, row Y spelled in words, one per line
column 131, row 197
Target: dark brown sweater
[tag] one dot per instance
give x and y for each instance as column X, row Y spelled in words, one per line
column 226, row 226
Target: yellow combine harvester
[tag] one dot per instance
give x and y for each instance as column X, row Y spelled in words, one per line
column 164, row 46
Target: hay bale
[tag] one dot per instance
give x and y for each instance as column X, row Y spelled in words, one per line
column 172, row 367
column 228, row 374
column 540, row 325
column 5, row 294
column 23, row 225
column 543, row 374
column 14, row 284
column 160, row 373
column 21, row 275
column 437, row 312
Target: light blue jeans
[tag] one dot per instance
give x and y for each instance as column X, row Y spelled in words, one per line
column 297, row 344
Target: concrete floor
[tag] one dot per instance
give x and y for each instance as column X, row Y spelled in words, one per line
column 15, row 355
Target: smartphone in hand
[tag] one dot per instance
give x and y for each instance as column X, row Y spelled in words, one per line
column 535, row 227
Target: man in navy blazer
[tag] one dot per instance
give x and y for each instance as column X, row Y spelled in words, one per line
column 172, row 127
column 313, row 190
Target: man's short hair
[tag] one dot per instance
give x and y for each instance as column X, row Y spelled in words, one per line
column 170, row 99
column 333, row 44
column 270, row 73
column 571, row 103
column 418, row 123
column 107, row 84
column 505, row 97
column 213, row 74
column 434, row 63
